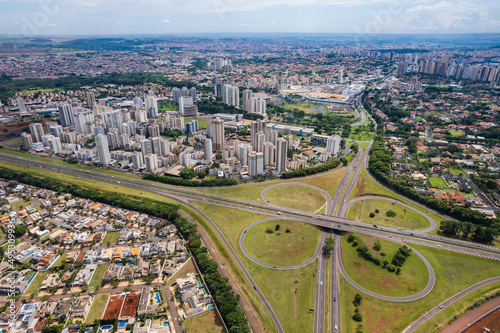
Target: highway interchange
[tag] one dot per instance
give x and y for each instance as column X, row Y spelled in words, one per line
column 329, row 223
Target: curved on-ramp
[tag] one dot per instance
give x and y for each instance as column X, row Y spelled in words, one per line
column 424, row 292
column 258, row 262
column 430, row 219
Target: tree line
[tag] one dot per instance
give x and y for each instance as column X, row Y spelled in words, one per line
column 188, row 182
column 332, row 164
column 223, row 295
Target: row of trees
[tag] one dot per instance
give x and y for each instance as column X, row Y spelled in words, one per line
column 379, row 165
column 222, row 293
column 187, row 182
column 332, row 164
column 467, row 230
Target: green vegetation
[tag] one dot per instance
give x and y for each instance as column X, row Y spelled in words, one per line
column 111, row 238
column 303, row 198
column 412, row 279
column 202, row 123
column 437, row 182
column 455, row 310
column 208, row 322
column 405, row 218
column 97, row 276
column 97, row 309
column 280, row 247
column 457, row 171
column 35, row 285
column 454, row 272
column 187, row 267
column 187, row 182
column 332, row 164
column 379, row 165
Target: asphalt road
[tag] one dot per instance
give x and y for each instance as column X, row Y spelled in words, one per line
column 419, row 322
column 430, row 219
column 422, row 293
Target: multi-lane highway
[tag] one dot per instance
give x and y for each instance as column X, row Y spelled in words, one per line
column 329, row 222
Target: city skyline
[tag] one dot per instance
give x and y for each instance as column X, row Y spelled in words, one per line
column 28, row 17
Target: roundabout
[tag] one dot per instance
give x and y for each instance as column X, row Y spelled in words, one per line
column 297, row 228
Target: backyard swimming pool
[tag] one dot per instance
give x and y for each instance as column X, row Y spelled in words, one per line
column 157, row 297
column 122, row 324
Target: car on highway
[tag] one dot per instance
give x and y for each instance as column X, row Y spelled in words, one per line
column 274, row 266
column 375, row 226
column 335, row 299
column 255, row 287
column 441, row 306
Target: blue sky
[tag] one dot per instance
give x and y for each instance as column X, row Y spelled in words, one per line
column 106, row 17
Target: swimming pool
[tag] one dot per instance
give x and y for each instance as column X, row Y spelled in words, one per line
column 107, row 327
column 165, row 324
column 157, row 297
column 199, row 284
column 31, row 278
column 210, row 306
column 122, row 324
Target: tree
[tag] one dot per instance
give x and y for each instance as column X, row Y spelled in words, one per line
column 288, row 230
column 377, row 245
column 20, row 230
column 390, row 213
column 269, row 230
column 377, row 211
column 328, row 246
column 187, row 173
column 491, row 184
column 357, row 317
column 357, row 300
column 372, row 214
column 277, row 228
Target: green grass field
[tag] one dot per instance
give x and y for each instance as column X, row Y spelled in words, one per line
column 202, row 123
column 457, row 171
column 60, row 261
column 208, row 322
column 454, row 272
column 97, row 309
column 457, row 133
column 97, row 276
column 282, row 248
column 362, row 136
column 297, row 197
column 186, row 268
column 444, row 318
column 111, row 238
column 35, row 285
column 292, row 307
column 437, row 182
column 365, row 185
column 413, row 277
column 405, row 218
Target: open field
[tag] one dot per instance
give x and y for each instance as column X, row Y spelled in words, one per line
column 35, row 285
column 282, row 248
column 130, row 303
column 97, row 276
column 202, row 123
column 405, row 218
column 362, row 136
column 208, row 321
column 329, row 182
column 303, row 106
column 437, row 182
column 290, row 292
column 457, row 171
column 187, row 267
column 244, row 193
column 457, row 133
column 297, row 197
column 365, row 186
column 114, row 306
column 454, row 272
column 60, row 261
column 412, row 279
column 111, row 238
column 97, row 308
column 444, row 318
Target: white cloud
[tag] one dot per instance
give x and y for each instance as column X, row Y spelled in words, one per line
column 52, row 25
column 166, row 21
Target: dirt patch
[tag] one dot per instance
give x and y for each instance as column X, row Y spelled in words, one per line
column 360, row 211
column 474, row 314
column 130, row 305
column 491, row 321
column 114, row 306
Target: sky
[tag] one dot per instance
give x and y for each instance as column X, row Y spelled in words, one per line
column 121, row 17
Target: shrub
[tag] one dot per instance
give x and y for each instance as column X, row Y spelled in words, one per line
column 357, row 317
column 288, row 230
column 269, row 231
column 391, row 268
column 350, row 239
column 377, row 211
column 372, row 214
column 390, row 213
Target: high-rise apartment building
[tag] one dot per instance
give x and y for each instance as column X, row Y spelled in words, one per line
column 151, row 106
column 27, row 140
column 333, row 145
column 102, row 149
column 36, row 130
column 231, row 95
column 208, row 149
column 281, row 155
column 66, row 115
column 217, row 126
